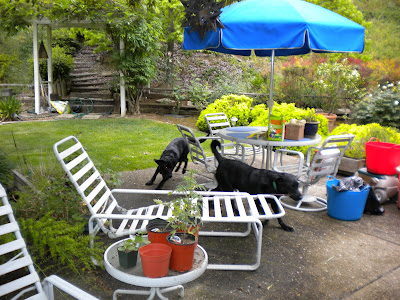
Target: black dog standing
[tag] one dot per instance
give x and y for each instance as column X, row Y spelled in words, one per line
column 236, row 175
column 176, row 152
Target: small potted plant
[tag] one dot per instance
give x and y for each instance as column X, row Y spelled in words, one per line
column 185, row 223
column 128, row 251
column 312, row 123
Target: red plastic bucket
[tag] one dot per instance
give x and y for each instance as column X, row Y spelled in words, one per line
column 155, row 259
column 382, row 158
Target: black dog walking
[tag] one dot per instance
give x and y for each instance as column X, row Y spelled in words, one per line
column 236, row 175
column 176, row 152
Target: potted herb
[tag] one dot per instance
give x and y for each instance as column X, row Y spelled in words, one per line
column 128, row 251
column 185, row 223
column 312, row 123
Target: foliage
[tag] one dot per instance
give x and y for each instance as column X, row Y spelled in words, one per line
column 130, row 245
column 5, row 169
column 6, row 62
column 186, row 214
column 51, row 219
column 380, row 107
column 309, row 115
column 336, row 81
column 362, row 135
column 9, row 108
column 231, row 105
column 62, row 64
column 140, row 31
column 58, row 242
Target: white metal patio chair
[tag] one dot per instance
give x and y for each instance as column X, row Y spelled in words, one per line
column 319, row 162
column 19, row 278
column 218, row 121
column 115, row 221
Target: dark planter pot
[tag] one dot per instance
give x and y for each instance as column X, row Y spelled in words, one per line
column 127, row 260
column 182, row 254
column 311, row 129
column 158, row 230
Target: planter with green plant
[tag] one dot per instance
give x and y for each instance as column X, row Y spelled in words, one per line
column 185, row 223
column 158, row 230
column 128, row 250
column 312, row 123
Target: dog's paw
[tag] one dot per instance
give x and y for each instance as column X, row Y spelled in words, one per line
column 183, row 171
column 288, row 228
column 149, row 182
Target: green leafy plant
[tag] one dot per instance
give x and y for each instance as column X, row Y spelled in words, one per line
column 62, row 64
column 186, row 214
column 9, row 108
column 309, row 115
column 362, row 135
column 336, row 82
column 383, row 107
column 130, row 245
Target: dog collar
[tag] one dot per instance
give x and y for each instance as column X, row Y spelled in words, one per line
column 274, row 185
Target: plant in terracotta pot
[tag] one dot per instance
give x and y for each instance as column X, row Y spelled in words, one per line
column 128, row 250
column 185, row 223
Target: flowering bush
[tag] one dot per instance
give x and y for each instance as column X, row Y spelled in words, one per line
column 337, row 81
column 381, row 107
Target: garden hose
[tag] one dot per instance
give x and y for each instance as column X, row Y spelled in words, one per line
column 80, row 103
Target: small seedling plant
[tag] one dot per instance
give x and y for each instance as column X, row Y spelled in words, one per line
column 186, row 210
column 130, row 245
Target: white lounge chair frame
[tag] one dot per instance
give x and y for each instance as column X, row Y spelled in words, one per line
column 319, row 162
column 105, row 210
column 29, row 285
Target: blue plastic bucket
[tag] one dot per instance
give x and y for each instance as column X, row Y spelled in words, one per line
column 347, row 205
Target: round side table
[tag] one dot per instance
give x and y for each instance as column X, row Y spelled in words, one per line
column 135, row 276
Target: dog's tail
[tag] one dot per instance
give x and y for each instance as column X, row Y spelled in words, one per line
column 214, row 145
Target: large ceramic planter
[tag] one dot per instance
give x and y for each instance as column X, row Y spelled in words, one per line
column 331, row 120
column 155, row 259
column 158, row 230
column 182, row 254
column 127, row 260
column 311, row 129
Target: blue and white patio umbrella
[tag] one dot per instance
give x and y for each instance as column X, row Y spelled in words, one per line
column 278, row 28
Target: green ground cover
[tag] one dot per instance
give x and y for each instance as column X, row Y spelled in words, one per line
column 114, row 144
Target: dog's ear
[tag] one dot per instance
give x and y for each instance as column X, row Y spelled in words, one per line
column 158, row 161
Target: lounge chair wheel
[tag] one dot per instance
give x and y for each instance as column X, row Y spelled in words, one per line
column 307, row 203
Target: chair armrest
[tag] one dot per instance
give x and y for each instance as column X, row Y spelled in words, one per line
column 64, row 286
column 297, row 168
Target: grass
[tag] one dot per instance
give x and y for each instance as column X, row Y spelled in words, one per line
column 115, row 144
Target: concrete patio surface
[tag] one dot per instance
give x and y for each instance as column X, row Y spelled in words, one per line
column 324, row 258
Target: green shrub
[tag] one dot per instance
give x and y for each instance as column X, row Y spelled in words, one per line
column 231, row 105
column 9, row 108
column 52, row 220
column 362, row 135
column 62, row 64
column 381, row 107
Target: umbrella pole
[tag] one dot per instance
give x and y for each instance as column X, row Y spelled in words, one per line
column 271, row 88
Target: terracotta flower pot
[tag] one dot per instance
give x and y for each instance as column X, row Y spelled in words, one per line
column 158, row 230
column 331, row 120
column 182, row 254
column 155, row 259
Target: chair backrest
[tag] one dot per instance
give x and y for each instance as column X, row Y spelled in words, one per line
column 327, row 159
column 85, row 177
column 15, row 262
column 196, row 149
column 216, row 122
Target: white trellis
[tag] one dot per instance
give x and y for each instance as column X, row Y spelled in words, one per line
column 49, row 26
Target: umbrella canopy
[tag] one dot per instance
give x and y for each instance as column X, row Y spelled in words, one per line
column 278, row 28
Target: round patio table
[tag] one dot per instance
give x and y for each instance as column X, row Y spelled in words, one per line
column 135, row 276
column 254, row 135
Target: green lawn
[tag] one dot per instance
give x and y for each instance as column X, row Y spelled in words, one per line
column 115, row 144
